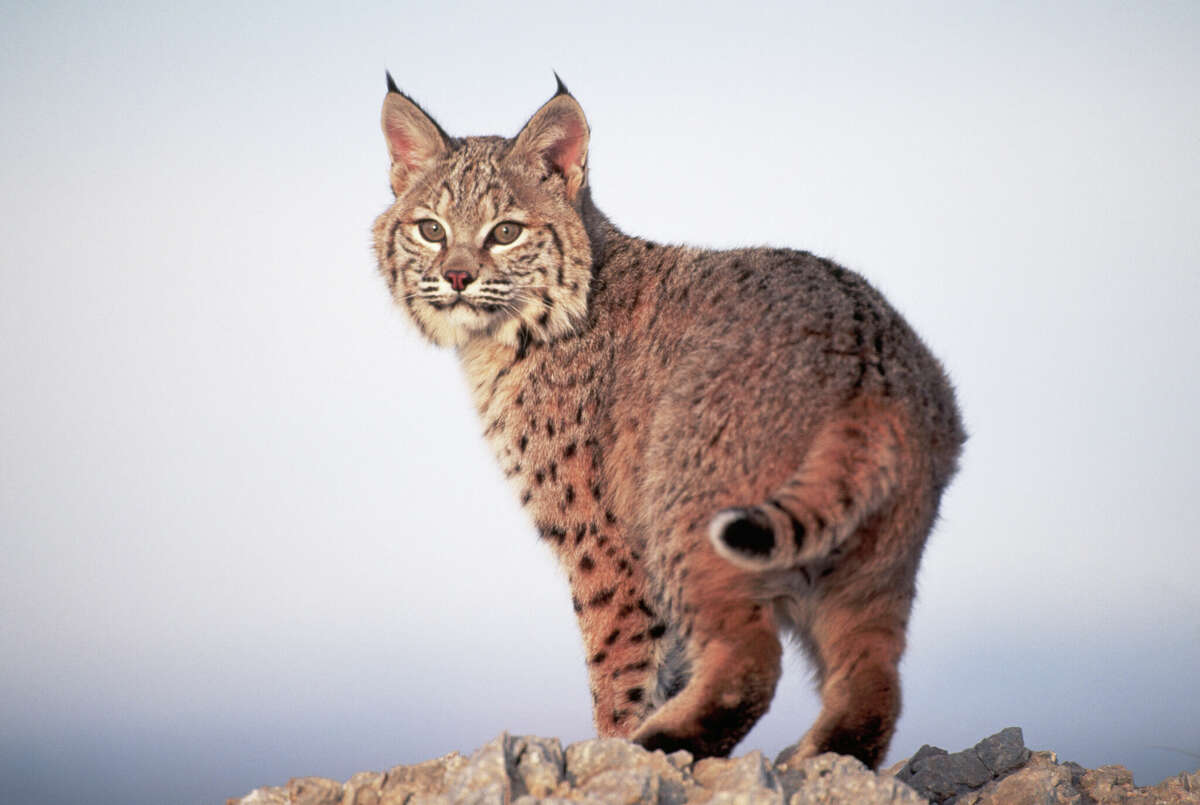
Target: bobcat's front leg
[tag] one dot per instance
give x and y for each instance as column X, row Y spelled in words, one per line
column 610, row 594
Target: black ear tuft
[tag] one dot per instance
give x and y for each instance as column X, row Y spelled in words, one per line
column 562, row 88
column 391, row 84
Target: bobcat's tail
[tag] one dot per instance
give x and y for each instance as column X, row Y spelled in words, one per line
column 852, row 467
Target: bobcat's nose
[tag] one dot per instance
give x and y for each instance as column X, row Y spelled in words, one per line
column 459, row 279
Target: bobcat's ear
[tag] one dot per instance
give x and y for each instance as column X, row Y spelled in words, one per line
column 557, row 137
column 414, row 140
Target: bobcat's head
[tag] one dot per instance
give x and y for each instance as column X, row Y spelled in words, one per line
column 485, row 237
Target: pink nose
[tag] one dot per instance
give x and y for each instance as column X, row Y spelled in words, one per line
column 459, row 280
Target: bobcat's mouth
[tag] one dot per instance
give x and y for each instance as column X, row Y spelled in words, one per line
column 460, row 302
column 449, row 304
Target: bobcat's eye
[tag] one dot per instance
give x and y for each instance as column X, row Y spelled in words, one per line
column 431, row 230
column 506, row 232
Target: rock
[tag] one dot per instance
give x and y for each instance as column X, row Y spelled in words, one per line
column 747, row 773
column 941, row 776
column 588, row 758
column 1181, row 788
column 484, row 779
column 1003, row 752
column 1041, row 782
column 364, row 788
column 540, row 765
column 829, row 778
column 622, row 786
column 314, row 791
column 426, row 779
column 589, row 764
column 1109, row 785
column 526, row 770
column 262, row 796
column 1045, row 781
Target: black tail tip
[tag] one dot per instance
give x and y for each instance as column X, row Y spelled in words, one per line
column 742, row 533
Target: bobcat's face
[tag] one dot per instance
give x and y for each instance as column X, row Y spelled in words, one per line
column 483, row 239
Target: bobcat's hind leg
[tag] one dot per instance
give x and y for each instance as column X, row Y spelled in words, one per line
column 857, row 653
column 734, row 656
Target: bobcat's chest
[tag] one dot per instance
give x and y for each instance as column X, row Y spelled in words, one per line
column 539, row 413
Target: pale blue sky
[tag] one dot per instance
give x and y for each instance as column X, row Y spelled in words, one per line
column 250, row 528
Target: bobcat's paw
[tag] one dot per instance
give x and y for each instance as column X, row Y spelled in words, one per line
column 797, row 752
column 712, row 733
column 665, row 741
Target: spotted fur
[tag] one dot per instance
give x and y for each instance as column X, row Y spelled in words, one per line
column 719, row 447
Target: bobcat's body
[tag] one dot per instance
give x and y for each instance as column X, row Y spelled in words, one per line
column 718, row 445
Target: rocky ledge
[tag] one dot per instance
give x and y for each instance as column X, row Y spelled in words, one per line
column 998, row 770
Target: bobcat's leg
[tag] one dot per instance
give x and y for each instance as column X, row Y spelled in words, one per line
column 856, row 649
column 734, row 653
column 609, row 591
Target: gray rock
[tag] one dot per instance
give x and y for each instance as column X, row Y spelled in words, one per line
column 1004, row 751
column 936, row 774
column 539, row 765
column 941, row 776
column 926, row 752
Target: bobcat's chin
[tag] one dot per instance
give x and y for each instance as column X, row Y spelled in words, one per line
column 453, row 325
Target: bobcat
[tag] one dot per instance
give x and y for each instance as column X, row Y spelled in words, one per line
column 719, row 446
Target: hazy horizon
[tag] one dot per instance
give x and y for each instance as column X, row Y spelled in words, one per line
column 250, row 527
